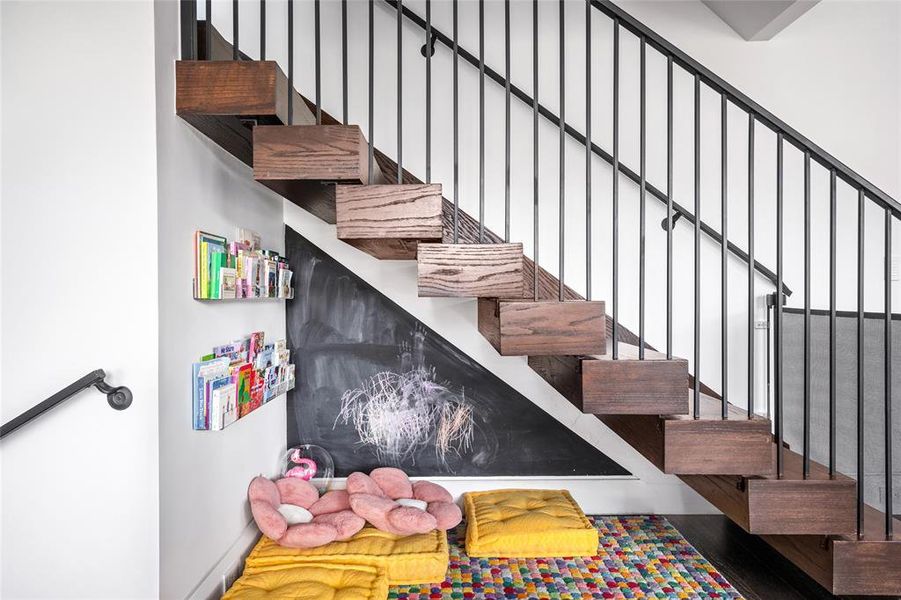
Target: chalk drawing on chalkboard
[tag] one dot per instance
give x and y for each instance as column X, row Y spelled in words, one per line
column 399, row 413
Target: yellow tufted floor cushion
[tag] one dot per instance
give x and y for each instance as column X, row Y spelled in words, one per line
column 407, row 560
column 527, row 524
column 312, row 581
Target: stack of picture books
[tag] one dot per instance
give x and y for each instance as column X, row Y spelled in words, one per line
column 225, row 270
column 238, row 378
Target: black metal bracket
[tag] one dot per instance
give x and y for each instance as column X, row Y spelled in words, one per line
column 118, row 398
column 771, row 299
column 666, row 224
column 428, row 49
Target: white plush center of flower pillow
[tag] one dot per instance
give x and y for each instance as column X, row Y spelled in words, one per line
column 295, row 514
column 420, row 504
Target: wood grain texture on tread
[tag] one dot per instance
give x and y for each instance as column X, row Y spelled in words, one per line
column 411, row 211
column 470, row 270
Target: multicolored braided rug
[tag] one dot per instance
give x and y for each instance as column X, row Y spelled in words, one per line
column 640, row 557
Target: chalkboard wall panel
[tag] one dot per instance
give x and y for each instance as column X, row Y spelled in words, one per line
column 377, row 387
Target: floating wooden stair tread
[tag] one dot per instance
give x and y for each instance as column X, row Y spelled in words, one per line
column 470, row 270
column 791, row 505
column 225, row 99
column 600, row 385
column 301, row 162
column 544, row 327
column 846, row 565
column 683, row 445
column 388, row 221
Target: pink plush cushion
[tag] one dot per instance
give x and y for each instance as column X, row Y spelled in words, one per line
column 374, row 496
column 394, row 483
column 332, row 517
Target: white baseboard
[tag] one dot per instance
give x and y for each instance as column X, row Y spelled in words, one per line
column 220, row 577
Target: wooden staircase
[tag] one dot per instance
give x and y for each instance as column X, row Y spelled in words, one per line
column 242, row 106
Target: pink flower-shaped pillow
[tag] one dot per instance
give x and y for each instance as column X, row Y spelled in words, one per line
column 291, row 512
column 391, row 502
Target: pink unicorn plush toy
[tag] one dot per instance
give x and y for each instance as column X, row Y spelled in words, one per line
column 291, row 512
column 391, row 502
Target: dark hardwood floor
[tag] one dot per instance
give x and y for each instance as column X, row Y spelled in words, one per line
column 746, row 561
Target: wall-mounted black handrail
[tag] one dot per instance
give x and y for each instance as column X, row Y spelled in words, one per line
column 118, row 397
column 577, row 135
column 762, row 115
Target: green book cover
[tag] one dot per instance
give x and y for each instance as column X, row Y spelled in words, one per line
column 218, row 261
column 204, row 291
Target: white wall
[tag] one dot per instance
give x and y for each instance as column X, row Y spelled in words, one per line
column 204, row 475
column 79, row 240
column 833, row 74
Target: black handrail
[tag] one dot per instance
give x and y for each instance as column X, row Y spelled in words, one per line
column 581, row 139
column 118, row 397
column 762, row 115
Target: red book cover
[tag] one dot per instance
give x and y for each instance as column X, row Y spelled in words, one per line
column 257, row 384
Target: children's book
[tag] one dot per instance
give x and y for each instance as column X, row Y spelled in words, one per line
column 227, row 283
column 204, row 244
column 244, row 379
column 255, row 343
column 249, row 237
column 220, row 390
column 205, row 371
column 257, row 385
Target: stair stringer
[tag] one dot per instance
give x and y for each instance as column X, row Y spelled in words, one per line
column 647, row 491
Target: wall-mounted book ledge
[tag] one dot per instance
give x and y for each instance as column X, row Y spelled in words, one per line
column 238, row 270
column 238, row 378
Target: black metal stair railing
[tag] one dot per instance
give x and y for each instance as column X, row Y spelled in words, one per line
column 118, row 398
column 730, row 98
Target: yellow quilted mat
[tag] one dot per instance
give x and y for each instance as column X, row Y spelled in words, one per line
column 527, row 524
column 407, row 560
column 312, row 581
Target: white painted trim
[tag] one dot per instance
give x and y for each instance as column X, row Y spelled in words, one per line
column 220, row 577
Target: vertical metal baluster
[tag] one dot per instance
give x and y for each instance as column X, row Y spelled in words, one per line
column 615, row 253
column 188, row 28
column 724, row 247
column 889, row 473
column 697, row 256
column 262, row 29
column 587, row 149
column 290, row 62
column 208, row 42
column 507, row 121
column 751, row 266
column 317, row 42
column 481, row 121
column 642, row 191
column 806, row 445
column 535, row 266
column 778, row 325
column 344, row 59
column 562, row 217
column 861, row 197
column 236, row 53
column 429, row 50
column 371, row 89
column 400, row 92
column 833, row 236
column 456, row 132
column 669, row 207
